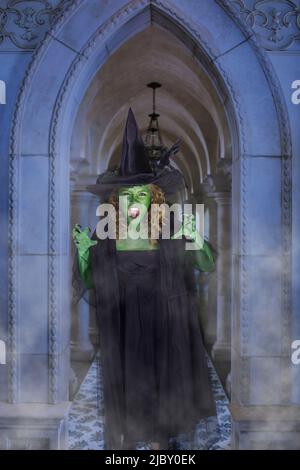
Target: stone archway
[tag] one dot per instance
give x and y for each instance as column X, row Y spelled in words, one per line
column 190, row 107
column 39, row 158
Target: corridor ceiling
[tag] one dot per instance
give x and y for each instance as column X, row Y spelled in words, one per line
column 188, row 104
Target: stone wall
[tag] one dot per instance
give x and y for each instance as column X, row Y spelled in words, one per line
column 251, row 63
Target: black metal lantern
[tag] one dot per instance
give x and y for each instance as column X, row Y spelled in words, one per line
column 153, row 139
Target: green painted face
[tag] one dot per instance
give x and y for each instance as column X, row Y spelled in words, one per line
column 135, row 202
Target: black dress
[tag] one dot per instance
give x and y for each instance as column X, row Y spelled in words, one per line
column 159, row 392
column 140, row 325
column 155, row 375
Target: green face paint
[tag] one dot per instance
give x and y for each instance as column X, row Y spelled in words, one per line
column 134, row 203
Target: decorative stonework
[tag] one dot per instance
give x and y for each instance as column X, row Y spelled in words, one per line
column 286, row 194
column 276, row 23
column 244, row 277
column 13, row 280
column 23, row 24
column 13, row 236
column 53, row 273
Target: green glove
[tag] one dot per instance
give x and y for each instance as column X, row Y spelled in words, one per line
column 204, row 259
column 82, row 239
column 202, row 256
column 189, row 230
column 83, row 244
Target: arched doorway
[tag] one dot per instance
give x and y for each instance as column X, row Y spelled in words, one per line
column 258, row 143
column 190, row 107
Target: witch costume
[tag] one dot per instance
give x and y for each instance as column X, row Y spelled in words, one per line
column 155, row 376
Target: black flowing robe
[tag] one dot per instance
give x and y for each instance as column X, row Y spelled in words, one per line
column 182, row 351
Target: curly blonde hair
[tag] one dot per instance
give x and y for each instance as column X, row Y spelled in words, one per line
column 154, row 223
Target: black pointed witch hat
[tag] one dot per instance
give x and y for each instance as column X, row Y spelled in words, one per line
column 135, row 168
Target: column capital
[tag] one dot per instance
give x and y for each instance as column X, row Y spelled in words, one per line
column 216, row 184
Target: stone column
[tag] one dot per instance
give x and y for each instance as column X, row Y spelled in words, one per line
column 264, row 413
column 81, row 346
column 218, row 191
column 221, row 348
column 210, row 322
column 93, row 219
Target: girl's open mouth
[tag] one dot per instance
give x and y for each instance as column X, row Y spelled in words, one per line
column 133, row 212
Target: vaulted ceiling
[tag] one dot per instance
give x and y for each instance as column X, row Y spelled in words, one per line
column 188, row 104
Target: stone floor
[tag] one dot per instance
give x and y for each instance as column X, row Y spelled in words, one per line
column 86, row 420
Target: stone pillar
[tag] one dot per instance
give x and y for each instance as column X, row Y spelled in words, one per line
column 221, row 348
column 264, row 413
column 81, row 346
column 217, row 192
column 35, row 391
column 210, row 320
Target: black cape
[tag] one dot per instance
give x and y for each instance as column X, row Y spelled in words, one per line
column 182, row 350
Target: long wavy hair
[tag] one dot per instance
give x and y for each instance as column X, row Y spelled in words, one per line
column 155, row 223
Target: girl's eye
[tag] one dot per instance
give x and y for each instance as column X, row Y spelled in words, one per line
column 142, row 194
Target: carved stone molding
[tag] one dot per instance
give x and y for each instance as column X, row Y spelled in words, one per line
column 286, row 188
column 24, row 23
column 276, row 23
column 13, row 236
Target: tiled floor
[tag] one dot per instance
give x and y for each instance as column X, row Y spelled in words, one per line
column 86, row 422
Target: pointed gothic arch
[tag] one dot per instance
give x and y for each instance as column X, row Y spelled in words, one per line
column 40, row 146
